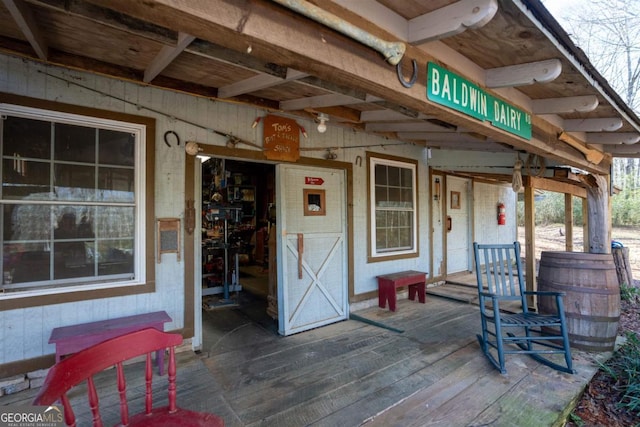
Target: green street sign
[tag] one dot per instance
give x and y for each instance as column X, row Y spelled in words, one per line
column 451, row 90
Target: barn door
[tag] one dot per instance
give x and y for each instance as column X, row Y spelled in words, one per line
column 312, row 254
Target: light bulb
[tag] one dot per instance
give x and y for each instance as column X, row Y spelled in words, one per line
column 323, row 119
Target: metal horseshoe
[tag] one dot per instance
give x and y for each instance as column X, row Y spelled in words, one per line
column 166, row 137
column 414, row 76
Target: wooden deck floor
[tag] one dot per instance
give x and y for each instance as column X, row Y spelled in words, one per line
column 361, row 373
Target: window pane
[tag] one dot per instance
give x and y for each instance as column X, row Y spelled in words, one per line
column 23, row 223
column 26, row 138
column 381, row 175
column 115, row 222
column 115, row 257
column 74, row 182
column 394, row 176
column 116, row 148
column 25, row 263
column 407, row 178
column 23, row 179
column 72, row 259
column 381, row 196
column 75, row 143
column 117, row 185
column 404, row 237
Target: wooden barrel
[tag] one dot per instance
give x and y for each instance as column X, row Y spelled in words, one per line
column 592, row 301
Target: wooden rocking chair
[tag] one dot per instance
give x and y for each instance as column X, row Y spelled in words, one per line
column 537, row 335
column 83, row 365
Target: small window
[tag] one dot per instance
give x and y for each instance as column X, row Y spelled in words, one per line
column 72, row 202
column 393, row 208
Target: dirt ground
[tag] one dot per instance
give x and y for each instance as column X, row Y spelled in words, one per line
column 553, row 238
column 598, row 405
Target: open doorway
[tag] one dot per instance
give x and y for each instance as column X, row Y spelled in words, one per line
column 238, row 271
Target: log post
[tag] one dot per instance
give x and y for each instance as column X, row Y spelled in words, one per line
column 598, row 217
column 623, row 268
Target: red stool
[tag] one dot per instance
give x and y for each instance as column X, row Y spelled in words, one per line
column 387, row 284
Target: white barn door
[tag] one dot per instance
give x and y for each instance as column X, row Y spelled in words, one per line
column 312, row 250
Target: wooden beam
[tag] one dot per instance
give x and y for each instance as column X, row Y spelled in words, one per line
column 451, row 20
column 570, row 104
column 329, row 100
column 417, row 126
column 166, row 55
column 523, row 74
column 547, row 184
column 530, row 240
column 23, row 17
column 613, row 137
column 624, row 150
column 441, row 136
column 592, row 125
column 568, row 222
column 383, row 116
column 259, row 82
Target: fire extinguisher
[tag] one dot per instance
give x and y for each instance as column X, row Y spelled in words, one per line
column 502, row 214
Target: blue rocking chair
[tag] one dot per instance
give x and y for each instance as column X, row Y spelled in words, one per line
column 524, row 332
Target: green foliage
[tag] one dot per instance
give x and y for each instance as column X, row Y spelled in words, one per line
column 624, row 368
column 626, row 208
column 550, row 209
column 576, row 420
column 629, row 293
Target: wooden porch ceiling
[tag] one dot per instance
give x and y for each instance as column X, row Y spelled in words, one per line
column 265, row 55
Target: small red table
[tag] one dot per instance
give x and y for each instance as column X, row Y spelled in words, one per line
column 387, row 284
column 72, row 339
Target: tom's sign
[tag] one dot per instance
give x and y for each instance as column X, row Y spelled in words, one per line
column 453, row 91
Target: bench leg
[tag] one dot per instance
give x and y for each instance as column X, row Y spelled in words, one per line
column 160, row 361
column 422, row 292
column 386, row 292
column 418, row 288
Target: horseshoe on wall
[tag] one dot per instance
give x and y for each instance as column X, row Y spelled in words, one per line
column 166, row 137
column 413, row 78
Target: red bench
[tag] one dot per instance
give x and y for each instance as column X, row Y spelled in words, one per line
column 387, row 284
column 72, row 339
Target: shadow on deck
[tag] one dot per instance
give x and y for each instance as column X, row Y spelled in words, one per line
column 357, row 373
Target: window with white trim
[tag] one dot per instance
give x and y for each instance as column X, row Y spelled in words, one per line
column 393, row 207
column 72, row 202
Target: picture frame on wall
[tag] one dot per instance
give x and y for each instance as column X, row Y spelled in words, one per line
column 455, row 200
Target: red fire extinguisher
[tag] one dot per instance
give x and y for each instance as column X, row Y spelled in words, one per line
column 502, row 214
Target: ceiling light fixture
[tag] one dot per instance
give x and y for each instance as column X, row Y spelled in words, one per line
column 323, row 118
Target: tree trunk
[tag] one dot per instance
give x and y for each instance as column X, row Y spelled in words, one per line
column 599, row 238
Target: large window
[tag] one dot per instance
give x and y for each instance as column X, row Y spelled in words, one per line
column 72, row 202
column 393, row 209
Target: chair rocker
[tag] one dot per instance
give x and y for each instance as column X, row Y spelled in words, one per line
column 524, row 332
column 73, row 370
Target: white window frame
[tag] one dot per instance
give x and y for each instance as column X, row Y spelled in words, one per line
column 373, row 252
column 139, row 131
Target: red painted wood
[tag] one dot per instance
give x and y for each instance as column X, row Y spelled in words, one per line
column 81, row 366
column 71, row 339
column 387, row 284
